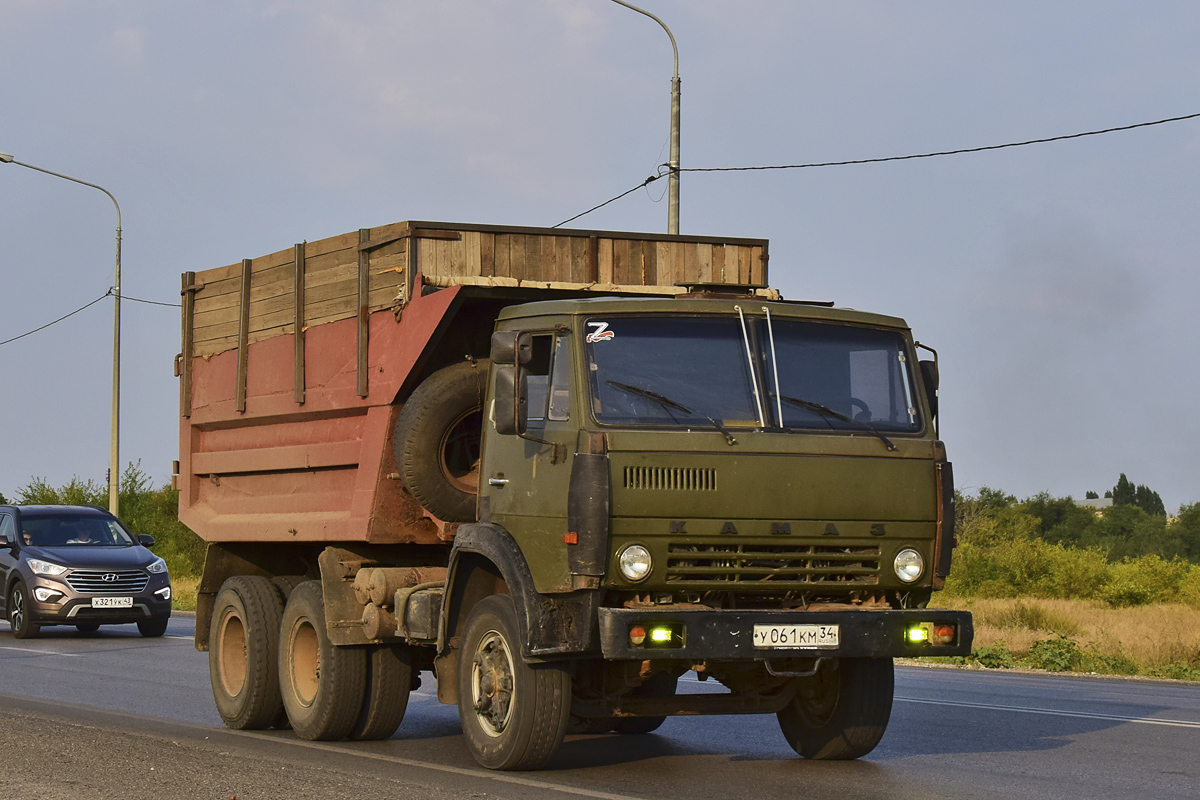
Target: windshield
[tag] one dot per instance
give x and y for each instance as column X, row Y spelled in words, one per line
column 689, row 371
column 71, row 530
column 695, row 365
column 859, row 374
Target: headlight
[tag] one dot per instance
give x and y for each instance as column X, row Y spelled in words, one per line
column 634, row 562
column 157, row 566
column 40, row 567
column 909, row 565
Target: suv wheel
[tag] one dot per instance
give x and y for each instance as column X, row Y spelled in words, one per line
column 19, row 613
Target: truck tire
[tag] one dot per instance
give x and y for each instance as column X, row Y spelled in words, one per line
column 841, row 713
column 660, row 685
column 437, row 440
column 322, row 685
column 243, row 643
column 389, row 680
column 513, row 714
column 19, row 618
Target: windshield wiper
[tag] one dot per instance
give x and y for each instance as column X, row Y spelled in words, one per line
column 826, row 411
column 670, row 405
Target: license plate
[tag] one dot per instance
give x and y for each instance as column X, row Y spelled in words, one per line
column 796, row 636
column 112, row 602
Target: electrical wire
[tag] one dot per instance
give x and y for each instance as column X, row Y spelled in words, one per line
column 949, row 152
column 55, row 322
column 880, row 160
column 109, row 293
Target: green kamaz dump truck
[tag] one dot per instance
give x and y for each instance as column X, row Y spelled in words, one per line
column 561, row 470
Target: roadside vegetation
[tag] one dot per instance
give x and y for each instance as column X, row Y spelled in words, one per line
column 1056, row 585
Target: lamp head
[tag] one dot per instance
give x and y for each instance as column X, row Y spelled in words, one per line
column 5, row 158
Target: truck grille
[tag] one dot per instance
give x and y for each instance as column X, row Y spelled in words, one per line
column 719, row 565
column 127, row 581
column 680, row 479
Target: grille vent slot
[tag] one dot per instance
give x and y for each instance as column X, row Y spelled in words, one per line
column 678, row 479
column 712, row 565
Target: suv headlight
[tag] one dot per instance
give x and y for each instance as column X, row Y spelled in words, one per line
column 634, row 562
column 908, row 565
column 40, row 567
column 157, row 567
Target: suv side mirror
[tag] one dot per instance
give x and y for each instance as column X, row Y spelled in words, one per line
column 145, row 540
column 929, row 377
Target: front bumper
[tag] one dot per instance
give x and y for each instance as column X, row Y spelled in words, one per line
column 727, row 635
column 75, row 608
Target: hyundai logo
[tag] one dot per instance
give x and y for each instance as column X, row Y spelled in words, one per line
column 109, row 577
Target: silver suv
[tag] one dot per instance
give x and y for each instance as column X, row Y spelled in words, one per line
column 78, row 565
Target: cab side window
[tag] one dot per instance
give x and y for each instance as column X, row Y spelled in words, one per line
column 537, row 377
column 560, row 381
column 8, row 529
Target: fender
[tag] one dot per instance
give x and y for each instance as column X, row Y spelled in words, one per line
column 550, row 625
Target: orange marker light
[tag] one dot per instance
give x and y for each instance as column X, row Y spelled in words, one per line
column 637, row 635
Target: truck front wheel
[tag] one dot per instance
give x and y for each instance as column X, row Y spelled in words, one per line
column 322, row 685
column 841, row 712
column 513, row 714
column 243, row 643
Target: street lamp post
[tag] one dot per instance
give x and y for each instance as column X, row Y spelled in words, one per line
column 673, row 164
column 114, row 474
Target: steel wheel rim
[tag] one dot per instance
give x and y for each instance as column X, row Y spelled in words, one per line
column 492, row 684
column 305, row 662
column 460, row 451
column 233, row 656
column 18, row 609
column 820, row 703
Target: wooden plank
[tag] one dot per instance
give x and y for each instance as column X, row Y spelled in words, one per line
column 298, row 384
column 517, row 256
column 743, row 265
column 758, row 266
column 243, row 339
column 605, row 260
column 592, row 267
column 502, row 253
column 487, row 254
column 189, row 308
column 364, row 290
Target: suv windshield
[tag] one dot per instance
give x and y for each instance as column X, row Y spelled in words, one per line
column 70, row 530
column 695, row 372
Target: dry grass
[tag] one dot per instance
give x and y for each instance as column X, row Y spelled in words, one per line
column 1150, row 636
column 183, row 593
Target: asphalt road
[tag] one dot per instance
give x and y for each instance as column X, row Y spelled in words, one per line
column 115, row 715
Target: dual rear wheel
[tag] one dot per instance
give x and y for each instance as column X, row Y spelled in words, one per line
column 272, row 664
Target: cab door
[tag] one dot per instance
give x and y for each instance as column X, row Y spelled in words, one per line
column 8, row 554
column 524, row 481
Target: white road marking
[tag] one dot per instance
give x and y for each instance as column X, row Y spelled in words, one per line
column 1175, row 723
column 504, row 777
column 40, row 652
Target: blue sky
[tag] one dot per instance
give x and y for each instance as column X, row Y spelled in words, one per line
column 1058, row 282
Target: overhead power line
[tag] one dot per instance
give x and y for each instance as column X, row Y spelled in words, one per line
column 883, row 159
column 109, row 293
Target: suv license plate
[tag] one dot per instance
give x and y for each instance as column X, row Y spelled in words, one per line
column 790, row 636
column 112, row 602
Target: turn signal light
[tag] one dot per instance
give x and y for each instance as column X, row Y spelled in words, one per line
column 930, row 633
column 943, row 634
column 637, row 635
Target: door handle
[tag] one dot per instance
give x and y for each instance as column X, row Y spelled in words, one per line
column 497, row 481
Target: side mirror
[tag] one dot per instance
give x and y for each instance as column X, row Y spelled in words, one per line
column 145, row 540
column 929, row 377
column 5, row 544
column 511, row 347
column 512, row 401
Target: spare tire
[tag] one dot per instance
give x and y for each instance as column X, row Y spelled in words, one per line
column 437, row 440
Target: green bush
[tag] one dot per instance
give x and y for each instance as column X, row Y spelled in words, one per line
column 1054, row 655
column 1140, row 581
column 995, row 656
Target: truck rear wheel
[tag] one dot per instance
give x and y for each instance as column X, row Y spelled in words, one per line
column 243, row 644
column 437, row 440
column 389, row 680
column 513, row 714
column 322, row 685
column 840, row 713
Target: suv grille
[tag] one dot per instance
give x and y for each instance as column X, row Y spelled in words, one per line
column 719, row 565
column 682, row 479
column 127, row 581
